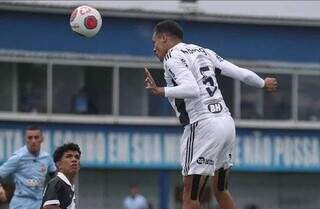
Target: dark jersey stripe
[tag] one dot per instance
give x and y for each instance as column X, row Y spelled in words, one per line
column 181, row 107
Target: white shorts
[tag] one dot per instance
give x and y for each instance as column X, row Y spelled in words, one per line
column 207, row 145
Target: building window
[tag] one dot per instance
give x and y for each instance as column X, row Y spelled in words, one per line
column 278, row 104
column 6, row 86
column 82, row 89
column 251, row 102
column 259, row 104
column 308, row 97
column 133, row 95
column 32, row 87
column 159, row 106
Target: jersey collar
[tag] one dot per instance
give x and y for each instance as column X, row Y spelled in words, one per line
column 65, row 179
column 41, row 153
column 178, row 44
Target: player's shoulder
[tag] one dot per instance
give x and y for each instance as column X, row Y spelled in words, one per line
column 192, row 49
column 127, row 200
column 54, row 180
column 44, row 154
column 53, row 186
column 214, row 54
column 21, row 152
column 141, row 197
column 175, row 52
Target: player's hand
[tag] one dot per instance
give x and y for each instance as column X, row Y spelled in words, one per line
column 3, row 196
column 270, row 84
column 151, row 84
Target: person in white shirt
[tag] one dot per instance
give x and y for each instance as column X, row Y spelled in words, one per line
column 209, row 131
column 135, row 200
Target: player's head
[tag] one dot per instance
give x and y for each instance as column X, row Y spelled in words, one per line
column 67, row 159
column 166, row 34
column 34, row 138
column 134, row 190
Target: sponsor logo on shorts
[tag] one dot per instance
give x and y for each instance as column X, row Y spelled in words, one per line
column 215, row 108
column 202, row 160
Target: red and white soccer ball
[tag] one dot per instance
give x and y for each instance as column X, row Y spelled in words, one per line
column 86, row 21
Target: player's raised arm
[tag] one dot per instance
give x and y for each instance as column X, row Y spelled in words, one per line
column 270, row 84
column 247, row 76
column 151, row 84
column 9, row 166
column 185, row 83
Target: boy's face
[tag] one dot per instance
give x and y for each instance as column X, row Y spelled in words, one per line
column 69, row 164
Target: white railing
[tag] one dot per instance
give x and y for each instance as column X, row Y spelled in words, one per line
column 147, row 120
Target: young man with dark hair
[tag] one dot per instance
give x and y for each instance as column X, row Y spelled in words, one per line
column 60, row 191
column 209, row 132
column 29, row 167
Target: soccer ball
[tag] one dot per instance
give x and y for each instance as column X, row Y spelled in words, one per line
column 85, row 21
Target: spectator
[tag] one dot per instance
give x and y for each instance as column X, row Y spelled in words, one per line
column 135, row 200
column 29, row 167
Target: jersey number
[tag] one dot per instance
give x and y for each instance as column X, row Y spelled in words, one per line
column 206, row 79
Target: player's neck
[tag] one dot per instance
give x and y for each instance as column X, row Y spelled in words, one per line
column 36, row 154
column 173, row 43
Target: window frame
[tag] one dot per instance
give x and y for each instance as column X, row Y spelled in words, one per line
column 118, row 62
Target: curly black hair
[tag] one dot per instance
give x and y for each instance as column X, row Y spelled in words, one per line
column 58, row 153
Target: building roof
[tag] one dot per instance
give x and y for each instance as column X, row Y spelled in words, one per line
column 260, row 12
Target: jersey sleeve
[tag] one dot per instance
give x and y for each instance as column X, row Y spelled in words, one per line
column 231, row 70
column 184, row 83
column 52, row 167
column 50, row 196
column 9, row 166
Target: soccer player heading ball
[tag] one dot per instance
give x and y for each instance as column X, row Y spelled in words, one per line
column 209, row 130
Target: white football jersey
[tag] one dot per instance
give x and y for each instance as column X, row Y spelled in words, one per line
column 189, row 68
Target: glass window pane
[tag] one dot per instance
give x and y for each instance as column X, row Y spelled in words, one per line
column 309, row 100
column 6, row 85
column 32, row 87
column 82, row 89
column 259, row 104
column 278, row 104
column 133, row 95
column 159, row 106
column 251, row 102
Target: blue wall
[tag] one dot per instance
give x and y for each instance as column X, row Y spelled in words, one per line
column 128, row 146
column 123, row 36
